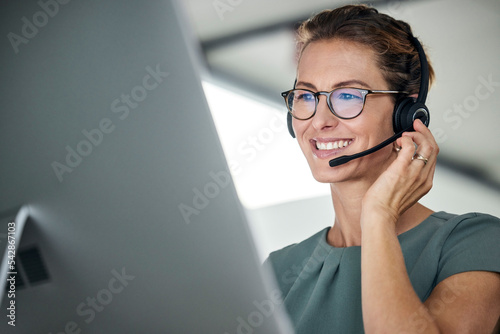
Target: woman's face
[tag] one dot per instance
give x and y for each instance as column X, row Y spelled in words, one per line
column 324, row 66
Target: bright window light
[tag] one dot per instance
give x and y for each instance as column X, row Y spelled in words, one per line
column 266, row 163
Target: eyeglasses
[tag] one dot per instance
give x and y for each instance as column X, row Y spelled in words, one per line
column 345, row 103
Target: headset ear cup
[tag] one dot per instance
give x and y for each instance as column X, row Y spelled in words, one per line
column 422, row 113
column 408, row 110
column 400, row 114
column 289, row 123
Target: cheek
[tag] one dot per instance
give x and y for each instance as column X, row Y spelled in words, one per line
column 304, row 145
column 300, row 127
column 378, row 119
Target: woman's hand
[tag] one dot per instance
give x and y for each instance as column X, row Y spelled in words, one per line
column 406, row 180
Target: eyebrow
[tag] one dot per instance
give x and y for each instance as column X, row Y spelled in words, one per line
column 346, row 83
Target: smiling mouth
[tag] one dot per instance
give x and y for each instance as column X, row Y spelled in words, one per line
column 332, row 145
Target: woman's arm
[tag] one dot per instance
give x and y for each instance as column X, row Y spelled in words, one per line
column 389, row 302
column 468, row 302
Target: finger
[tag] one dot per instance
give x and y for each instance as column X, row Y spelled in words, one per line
column 413, row 152
column 407, row 150
column 419, row 127
column 425, row 154
column 424, row 144
column 427, row 146
column 422, row 164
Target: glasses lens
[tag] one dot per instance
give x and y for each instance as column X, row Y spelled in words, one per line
column 347, row 102
column 301, row 103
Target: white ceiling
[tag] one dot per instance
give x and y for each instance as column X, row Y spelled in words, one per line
column 250, row 44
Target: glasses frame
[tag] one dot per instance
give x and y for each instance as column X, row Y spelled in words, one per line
column 364, row 93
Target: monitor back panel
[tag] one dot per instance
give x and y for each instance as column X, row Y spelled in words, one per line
column 108, row 144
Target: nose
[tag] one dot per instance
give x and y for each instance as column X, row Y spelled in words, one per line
column 324, row 119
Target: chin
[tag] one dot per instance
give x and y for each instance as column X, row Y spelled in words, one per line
column 355, row 169
column 327, row 174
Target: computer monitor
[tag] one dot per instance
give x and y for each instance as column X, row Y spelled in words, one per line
column 113, row 177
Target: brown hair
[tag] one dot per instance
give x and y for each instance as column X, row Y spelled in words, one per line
column 389, row 38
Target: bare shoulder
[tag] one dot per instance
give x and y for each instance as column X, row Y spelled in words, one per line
column 467, row 302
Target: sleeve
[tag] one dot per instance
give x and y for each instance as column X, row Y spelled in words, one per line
column 472, row 245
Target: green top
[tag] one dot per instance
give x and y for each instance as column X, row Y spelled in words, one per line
column 321, row 284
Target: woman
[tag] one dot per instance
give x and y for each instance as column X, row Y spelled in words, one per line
column 388, row 264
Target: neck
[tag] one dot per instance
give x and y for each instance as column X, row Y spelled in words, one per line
column 347, row 198
column 346, row 230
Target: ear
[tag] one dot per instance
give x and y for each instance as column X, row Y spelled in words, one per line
column 413, row 95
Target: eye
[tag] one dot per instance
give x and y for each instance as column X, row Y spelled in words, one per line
column 305, row 96
column 348, row 97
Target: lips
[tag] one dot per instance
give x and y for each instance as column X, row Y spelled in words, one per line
column 327, row 147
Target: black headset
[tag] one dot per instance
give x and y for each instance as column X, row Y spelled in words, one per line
column 407, row 109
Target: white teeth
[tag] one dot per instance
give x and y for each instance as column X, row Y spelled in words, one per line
column 332, row 145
